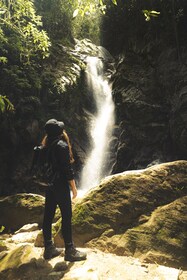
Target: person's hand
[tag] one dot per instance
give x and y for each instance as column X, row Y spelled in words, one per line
column 74, row 191
column 73, row 188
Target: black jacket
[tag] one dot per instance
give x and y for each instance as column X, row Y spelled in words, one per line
column 62, row 160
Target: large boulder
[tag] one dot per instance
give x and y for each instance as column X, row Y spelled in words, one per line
column 162, row 239
column 25, row 262
column 20, row 209
column 137, row 213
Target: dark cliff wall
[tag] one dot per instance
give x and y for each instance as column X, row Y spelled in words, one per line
column 149, row 82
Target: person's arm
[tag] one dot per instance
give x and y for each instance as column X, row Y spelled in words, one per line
column 73, row 188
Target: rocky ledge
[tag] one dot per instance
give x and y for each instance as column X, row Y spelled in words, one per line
column 137, row 213
column 132, row 225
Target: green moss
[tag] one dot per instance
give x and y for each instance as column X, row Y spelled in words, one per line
column 81, row 214
column 16, row 257
column 2, row 246
column 25, row 200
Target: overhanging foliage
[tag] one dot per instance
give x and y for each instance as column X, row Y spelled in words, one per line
column 18, row 19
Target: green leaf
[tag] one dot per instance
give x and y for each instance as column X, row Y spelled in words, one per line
column 75, row 13
column 3, row 59
column 20, row 18
column 148, row 14
column 2, row 228
column 114, row 2
column 5, row 104
column 2, row 104
column 154, row 13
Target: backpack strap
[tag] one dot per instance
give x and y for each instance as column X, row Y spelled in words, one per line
column 51, row 153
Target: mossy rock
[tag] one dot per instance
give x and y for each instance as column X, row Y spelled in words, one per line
column 17, row 257
column 56, row 235
column 3, row 246
column 135, row 213
column 141, row 210
column 161, row 239
column 20, row 209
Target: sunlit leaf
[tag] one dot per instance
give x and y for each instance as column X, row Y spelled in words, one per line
column 21, row 18
column 114, row 2
column 2, row 12
column 148, row 14
column 2, row 104
column 5, row 104
column 154, row 13
column 3, row 59
column 75, row 13
column 2, row 228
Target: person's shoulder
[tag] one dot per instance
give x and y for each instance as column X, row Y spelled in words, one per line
column 61, row 144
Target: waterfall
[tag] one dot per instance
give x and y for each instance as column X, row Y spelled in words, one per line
column 100, row 125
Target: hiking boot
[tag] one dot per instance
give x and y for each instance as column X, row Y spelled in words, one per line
column 51, row 252
column 73, row 255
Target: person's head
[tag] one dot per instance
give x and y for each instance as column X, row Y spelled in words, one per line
column 55, row 130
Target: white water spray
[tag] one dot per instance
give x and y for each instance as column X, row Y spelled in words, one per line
column 100, row 126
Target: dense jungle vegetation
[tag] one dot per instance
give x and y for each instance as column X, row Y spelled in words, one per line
column 31, row 33
column 30, row 29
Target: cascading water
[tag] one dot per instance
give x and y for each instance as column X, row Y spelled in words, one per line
column 101, row 125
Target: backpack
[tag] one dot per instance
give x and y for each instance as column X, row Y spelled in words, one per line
column 43, row 165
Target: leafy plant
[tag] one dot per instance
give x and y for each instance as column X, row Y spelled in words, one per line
column 19, row 19
column 88, row 7
column 149, row 14
column 5, row 104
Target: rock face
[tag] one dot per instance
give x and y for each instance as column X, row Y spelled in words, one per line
column 18, row 210
column 138, row 213
column 151, row 101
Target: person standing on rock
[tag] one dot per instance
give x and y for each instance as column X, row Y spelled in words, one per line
column 61, row 157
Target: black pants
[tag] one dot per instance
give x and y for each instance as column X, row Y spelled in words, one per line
column 59, row 195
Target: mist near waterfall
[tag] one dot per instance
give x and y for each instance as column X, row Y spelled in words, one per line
column 100, row 126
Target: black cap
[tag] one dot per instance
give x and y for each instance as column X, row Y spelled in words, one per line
column 54, row 127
